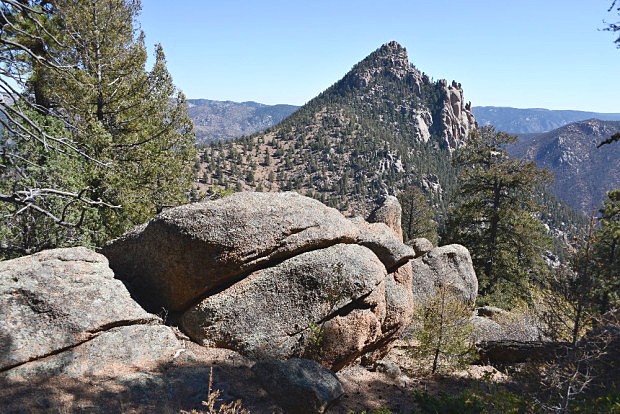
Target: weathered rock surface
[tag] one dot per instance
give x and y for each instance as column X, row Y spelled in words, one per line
column 299, row 385
column 449, row 266
column 187, row 251
column 110, row 354
column 268, row 314
column 389, row 212
column 381, row 239
column 57, row 299
column 421, row 246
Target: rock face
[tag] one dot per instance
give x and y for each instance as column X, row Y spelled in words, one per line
column 449, row 266
column 272, row 275
column 187, row 251
column 62, row 312
column 457, row 119
column 268, row 314
column 299, row 385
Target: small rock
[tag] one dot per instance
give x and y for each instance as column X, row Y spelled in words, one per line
column 421, row 246
column 299, row 385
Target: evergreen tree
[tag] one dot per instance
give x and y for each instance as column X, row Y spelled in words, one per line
column 606, row 252
column 495, row 217
column 444, row 331
column 53, row 220
column 131, row 120
column 417, row 218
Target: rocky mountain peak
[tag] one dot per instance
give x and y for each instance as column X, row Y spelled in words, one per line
column 369, row 134
column 390, row 61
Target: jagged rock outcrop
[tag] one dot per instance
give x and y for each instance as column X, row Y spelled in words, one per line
column 299, row 385
column 63, row 313
column 451, row 123
column 259, row 272
column 448, row 266
column 457, row 119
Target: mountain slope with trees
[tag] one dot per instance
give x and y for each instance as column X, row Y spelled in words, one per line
column 383, row 127
column 583, row 172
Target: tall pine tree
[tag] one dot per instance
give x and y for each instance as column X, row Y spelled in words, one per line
column 495, row 217
column 132, row 121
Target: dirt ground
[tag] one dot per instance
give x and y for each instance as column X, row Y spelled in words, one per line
column 183, row 385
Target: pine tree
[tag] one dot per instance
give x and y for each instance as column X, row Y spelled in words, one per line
column 444, row 331
column 495, row 217
column 417, row 220
column 133, row 121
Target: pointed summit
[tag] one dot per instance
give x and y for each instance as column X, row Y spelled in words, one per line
column 382, row 127
column 389, row 61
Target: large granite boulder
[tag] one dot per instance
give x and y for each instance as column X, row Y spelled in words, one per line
column 188, row 251
column 270, row 313
column 448, row 266
column 259, row 272
column 63, row 313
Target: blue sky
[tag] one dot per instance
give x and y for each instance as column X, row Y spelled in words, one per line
column 528, row 53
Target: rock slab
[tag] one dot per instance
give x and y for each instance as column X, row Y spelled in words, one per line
column 57, row 299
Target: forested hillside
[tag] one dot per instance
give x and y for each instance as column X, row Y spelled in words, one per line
column 583, row 171
column 383, row 127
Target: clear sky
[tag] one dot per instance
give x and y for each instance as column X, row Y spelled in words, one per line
column 526, row 53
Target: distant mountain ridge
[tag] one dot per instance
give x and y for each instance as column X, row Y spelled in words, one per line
column 533, row 120
column 226, row 120
column 583, row 173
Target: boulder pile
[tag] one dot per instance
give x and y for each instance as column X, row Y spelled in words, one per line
column 272, row 276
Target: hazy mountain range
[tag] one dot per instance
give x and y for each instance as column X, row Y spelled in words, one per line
column 225, row 120
column 533, row 120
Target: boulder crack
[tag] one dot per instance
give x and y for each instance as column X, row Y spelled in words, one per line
column 93, row 333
